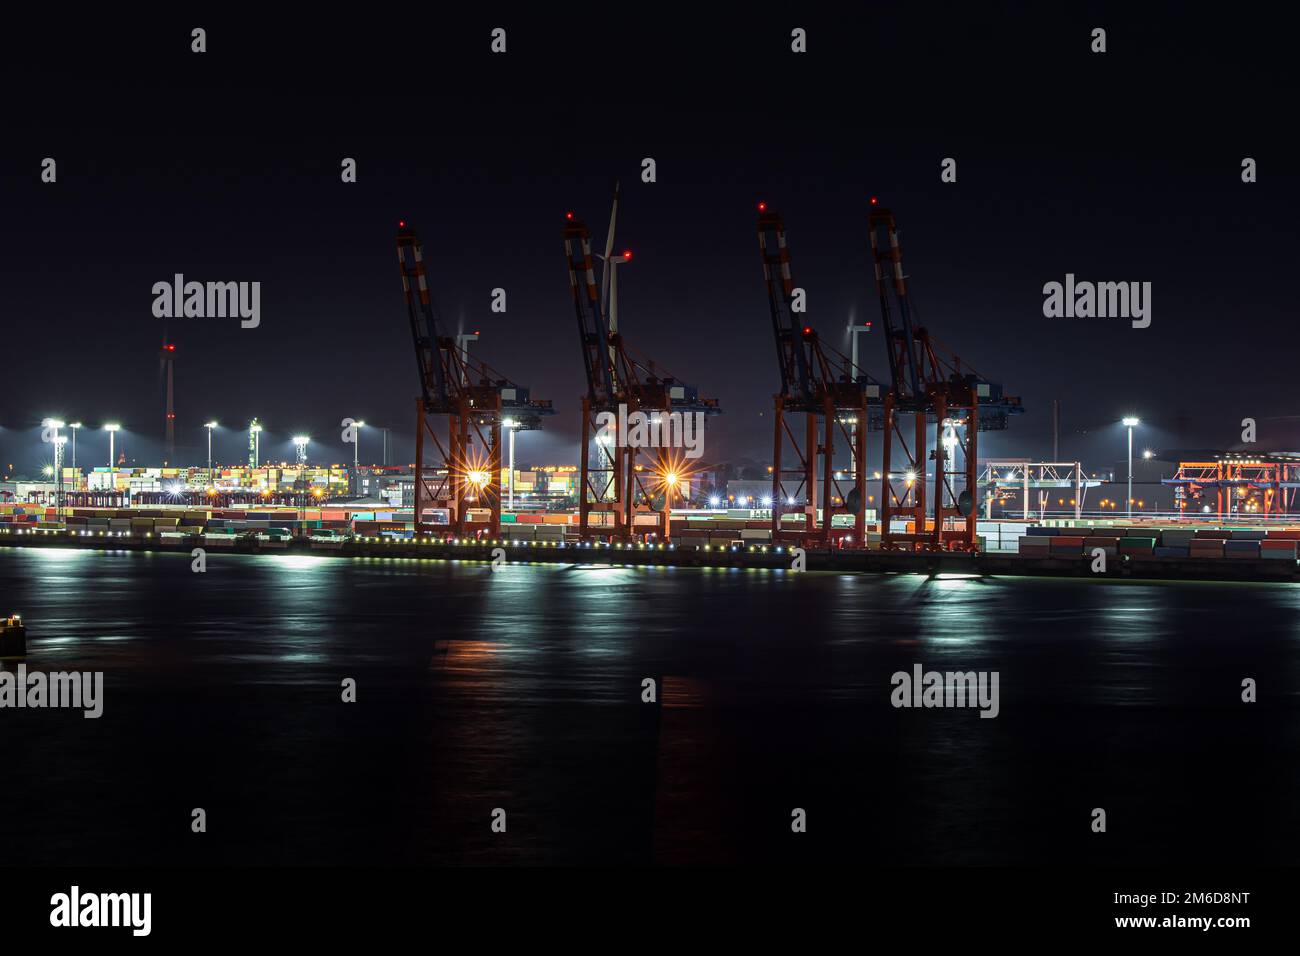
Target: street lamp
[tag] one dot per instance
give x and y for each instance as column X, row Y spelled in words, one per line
column 855, row 329
column 300, row 454
column 53, row 424
column 356, row 459
column 511, row 424
column 112, row 431
column 209, row 426
column 255, row 441
column 1130, row 423
column 59, row 442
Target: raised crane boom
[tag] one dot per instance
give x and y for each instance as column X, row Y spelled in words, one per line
column 603, row 388
column 447, row 375
column 434, row 352
column 620, row 479
column 828, row 389
column 476, row 402
column 794, row 346
column 904, row 349
column 929, row 385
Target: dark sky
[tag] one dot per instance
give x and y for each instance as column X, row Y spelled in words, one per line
column 225, row 166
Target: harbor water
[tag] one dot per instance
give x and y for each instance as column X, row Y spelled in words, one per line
column 522, row 689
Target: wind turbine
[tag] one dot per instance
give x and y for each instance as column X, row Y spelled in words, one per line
column 609, row 276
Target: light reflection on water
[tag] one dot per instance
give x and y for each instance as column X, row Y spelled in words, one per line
column 523, row 687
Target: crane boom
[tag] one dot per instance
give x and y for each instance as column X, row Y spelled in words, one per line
column 905, row 364
column 433, row 351
column 593, row 330
column 793, row 347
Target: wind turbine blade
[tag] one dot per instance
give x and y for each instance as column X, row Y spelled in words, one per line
column 613, row 217
column 609, row 249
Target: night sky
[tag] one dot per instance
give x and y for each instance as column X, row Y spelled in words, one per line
column 224, row 166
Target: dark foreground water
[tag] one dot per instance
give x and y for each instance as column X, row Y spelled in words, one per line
column 521, row 690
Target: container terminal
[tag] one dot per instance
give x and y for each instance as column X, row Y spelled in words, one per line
column 932, row 504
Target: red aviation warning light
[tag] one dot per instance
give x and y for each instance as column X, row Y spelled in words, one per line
column 170, row 348
column 401, row 224
column 762, row 207
column 874, row 200
column 569, row 216
column 627, row 254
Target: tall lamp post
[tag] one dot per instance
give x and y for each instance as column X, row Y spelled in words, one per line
column 855, row 329
column 112, row 459
column 74, row 426
column 57, row 440
column 209, row 426
column 356, row 460
column 511, row 424
column 300, row 455
column 1130, row 422
column 255, row 443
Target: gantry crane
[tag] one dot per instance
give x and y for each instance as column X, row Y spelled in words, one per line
column 825, row 388
column 625, row 477
column 927, row 385
column 472, row 397
column 1264, row 484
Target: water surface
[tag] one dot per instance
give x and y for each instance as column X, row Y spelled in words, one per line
column 521, row 689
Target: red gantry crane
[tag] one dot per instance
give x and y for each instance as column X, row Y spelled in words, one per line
column 622, row 475
column 927, row 386
column 827, row 388
column 474, row 400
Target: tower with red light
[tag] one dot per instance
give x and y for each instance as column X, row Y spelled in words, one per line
column 168, row 358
